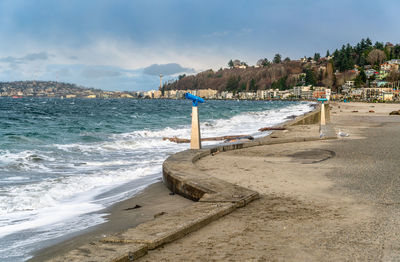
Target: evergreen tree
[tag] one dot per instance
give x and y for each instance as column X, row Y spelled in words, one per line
column 277, row 59
column 252, row 85
column 265, row 62
column 363, row 44
column 232, row 83
column 379, row 45
column 317, row 56
column 368, row 42
column 230, row 63
column 310, row 78
column 363, row 76
column 327, row 53
column 280, row 84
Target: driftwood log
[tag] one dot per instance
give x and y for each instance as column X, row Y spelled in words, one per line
column 184, row 140
column 271, row 128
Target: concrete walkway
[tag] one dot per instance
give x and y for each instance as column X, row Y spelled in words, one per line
column 331, row 200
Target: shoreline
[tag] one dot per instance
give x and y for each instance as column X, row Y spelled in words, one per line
column 333, row 199
column 156, row 198
column 153, row 199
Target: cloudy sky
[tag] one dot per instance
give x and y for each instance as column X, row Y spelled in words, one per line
column 126, row 44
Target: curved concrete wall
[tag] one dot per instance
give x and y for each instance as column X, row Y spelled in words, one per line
column 181, row 176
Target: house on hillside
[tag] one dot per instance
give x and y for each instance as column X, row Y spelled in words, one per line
column 380, row 93
column 319, row 92
column 238, row 64
column 370, row 72
column 394, row 61
column 391, row 65
column 304, row 92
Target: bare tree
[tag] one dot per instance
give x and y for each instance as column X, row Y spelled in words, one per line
column 376, row 56
column 393, row 76
column 328, row 79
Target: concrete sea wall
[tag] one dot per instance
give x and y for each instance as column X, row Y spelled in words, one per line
column 181, row 176
column 213, row 198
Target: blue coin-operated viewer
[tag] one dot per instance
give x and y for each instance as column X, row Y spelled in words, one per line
column 322, row 100
column 195, row 141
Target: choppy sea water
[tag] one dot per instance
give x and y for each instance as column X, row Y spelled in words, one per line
column 63, row 161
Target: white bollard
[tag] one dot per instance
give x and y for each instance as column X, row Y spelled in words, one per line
column 195, row 141
column 323, row 122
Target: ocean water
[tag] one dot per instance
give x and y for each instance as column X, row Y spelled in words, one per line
column 63, row 161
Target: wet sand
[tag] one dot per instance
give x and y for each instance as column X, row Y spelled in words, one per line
column 328, row 200
column 320, row 200
column 153, row 200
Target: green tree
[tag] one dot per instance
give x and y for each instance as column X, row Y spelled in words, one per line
column 163, row 90
column 265, row 62
column 327, row 53
column 252, row 85
column 286, row 60
column 230, row 63
column 277, row 59
column 242, row 87
column 280, row 84
column 310, row 78
column 368, row 42
column 357, row 82
column 363, row 76
column 360, row 79
column 379, row 45
column 232, row 83
column 317, row 56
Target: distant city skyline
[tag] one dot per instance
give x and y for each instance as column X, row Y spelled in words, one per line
column 125, row 45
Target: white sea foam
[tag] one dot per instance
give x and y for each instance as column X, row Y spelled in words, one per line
column 100, row 166
column 24, row 160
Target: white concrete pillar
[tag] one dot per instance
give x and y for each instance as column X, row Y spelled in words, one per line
column 323, row 122
column 195, row 141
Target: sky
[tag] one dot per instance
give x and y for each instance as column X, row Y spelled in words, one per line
column 125, row 44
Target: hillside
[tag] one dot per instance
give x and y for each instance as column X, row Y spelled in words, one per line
column 347, row 63
column 281, row 75
column 44, row 89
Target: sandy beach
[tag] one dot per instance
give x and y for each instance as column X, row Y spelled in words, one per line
column 152, row 200
column 329, row 200
column 324, row 200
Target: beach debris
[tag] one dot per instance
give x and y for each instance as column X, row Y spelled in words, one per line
column 342, row 134
column 214, row 153
column 177, row 140
column 321, row 135
column 172, row 193
column 184, row 140
column 240, row 138
column 271, row 128
column 135, row 207
column 291, row 117
column 371, row 111
column 395, row 113
column 354, row 111
column 160, row 214
column 274, row 137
